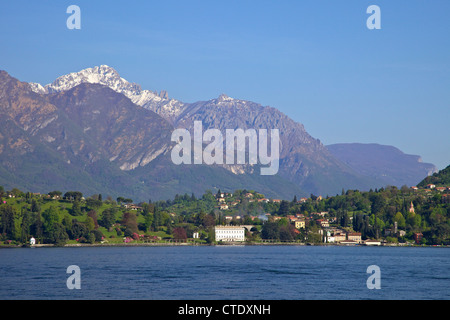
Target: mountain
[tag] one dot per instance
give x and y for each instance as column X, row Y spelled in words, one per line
column 107, row 76
column 440, row 179
column 386, row 164
column 93, row 139
column 304, row 160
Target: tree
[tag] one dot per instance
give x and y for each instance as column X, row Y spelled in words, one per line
column 284, row 208
column 79, row 230
column 108, row 218
column 50, row 217
column 98, row 235
column 76, row 209
column 148, row 221
column 35, row 207
column 270, row 230
column 89, row 222
column 73, row 195
column 36, row 228
column 93, row 215
column 8, row 223
column 93, row 204
column 57, row 234
column 208, row 221
column 27, row 221
column 129, row 220
column 401, row 222
column 287, row 232
column 55, row 194
column 179, row 233
column 157, row 219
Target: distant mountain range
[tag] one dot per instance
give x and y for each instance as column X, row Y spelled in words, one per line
column 95, row 132
column 386, row 164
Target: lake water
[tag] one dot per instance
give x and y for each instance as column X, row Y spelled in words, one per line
column 225, row 273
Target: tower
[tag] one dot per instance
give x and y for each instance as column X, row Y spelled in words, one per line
column 411, row 208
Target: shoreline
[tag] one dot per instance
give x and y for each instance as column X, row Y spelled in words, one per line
column 193, row 244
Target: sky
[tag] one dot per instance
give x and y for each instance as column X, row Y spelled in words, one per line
column 316, row 61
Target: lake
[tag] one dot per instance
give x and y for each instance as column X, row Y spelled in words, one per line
column 226, row 273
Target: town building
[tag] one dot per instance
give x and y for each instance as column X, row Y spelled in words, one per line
column 299, row 224
column 230, row 233
column 338, row 237
column 372, row 243
column 354, row 236
column 418, row 237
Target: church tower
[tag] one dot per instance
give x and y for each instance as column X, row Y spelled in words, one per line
column 411, row 208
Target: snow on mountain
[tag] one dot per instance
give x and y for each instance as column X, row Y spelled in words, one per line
column 108, row 76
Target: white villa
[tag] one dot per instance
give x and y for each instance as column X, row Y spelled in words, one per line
column 230, row 233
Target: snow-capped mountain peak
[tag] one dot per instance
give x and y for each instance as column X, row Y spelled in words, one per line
column 108, row 76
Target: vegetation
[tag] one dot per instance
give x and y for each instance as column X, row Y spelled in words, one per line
column 390, row 214
column 440, row 179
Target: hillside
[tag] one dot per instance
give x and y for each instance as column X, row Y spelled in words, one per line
column 440, row 179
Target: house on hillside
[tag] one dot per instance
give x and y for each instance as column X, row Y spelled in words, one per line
column 299, row 224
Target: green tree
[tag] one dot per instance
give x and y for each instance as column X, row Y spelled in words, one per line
column 35, row 207
column 400, row 219
column 284, row 208
column 108, row 218
column 90, row 224
column 93, row 215
column 27, row 221
column 270, row 230
column 79, row 230
column 57, row 234
column 50, row 217
column 76, row 209
column 8, row 222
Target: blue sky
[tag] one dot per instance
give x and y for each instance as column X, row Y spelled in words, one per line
column 316, row 61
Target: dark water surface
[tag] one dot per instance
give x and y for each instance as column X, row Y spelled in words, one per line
column 226, row 273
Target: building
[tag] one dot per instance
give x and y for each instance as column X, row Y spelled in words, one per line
column 299, row 224
column 418, row 237
column 32, row 241
column 372, row 243
column 354, row 236
column 411, row 208
column 338, row 237
column 323, row 223
column 230, row 233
